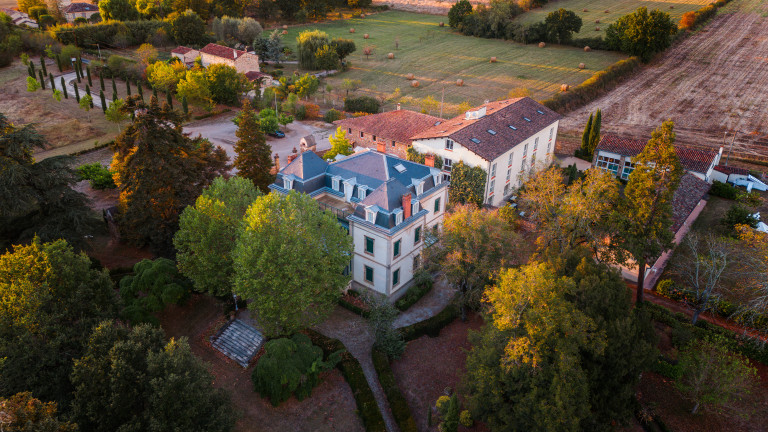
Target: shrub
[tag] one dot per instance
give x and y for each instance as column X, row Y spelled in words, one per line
column 291, row 366
column 332, row 115
column 353, row 374
column 681, row 336
column 422, row 285
column 431, row 326
column 100, row 177
column 723, row 190
column 739, row 215
column 752, row 199
column 366, row 104
column 400, row 410
column 666, row 369
column 153, row 285
column 465, row 419
column 442, row 404
column 122, row 33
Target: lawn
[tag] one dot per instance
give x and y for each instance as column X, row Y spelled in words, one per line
column 438, row 56
column 596, row 10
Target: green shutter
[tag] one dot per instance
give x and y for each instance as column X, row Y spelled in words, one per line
column 369, row 245
column 397, row 248
column 417, row 235
column 368, row 274
column 437, row 205
column 395, row 277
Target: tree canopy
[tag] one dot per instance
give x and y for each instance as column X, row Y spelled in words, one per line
column 254, row 155
column 561, row 24
column 208, row 231
column 37, row 197
column 159, row 171
column 50, row 298
column 467, row 184
column 132, row 380
column 289, row 261
column 23, row 413
column 339, row 145
column 641, row 33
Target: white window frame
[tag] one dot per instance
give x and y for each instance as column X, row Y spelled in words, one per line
column 525, row 150
column 535, row 144
column 493, row 170
column 336, row 184
column 420, row 188
column 398, row 217
column 492, row 187
column 509, row 174
column 449, row 144
column 361, row 192
column 414, row 207
column 370, row 216
column 551, row 131
column 510, row 159
column 287, row 183
column 447, row 164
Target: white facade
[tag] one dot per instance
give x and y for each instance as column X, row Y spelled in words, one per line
column 391, row 272
column 511, row 167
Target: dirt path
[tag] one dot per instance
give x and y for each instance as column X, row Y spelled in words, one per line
column 713, row 82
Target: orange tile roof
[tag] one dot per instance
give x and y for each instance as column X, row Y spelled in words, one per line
column 398, row 125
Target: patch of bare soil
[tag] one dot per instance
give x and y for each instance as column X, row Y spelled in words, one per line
column 330, row 408
column 430, row 365
column 715, row 81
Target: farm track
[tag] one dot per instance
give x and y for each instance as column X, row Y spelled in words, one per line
column 713, row 82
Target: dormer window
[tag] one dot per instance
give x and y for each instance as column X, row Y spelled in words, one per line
column 370, row 216
column 540, row 112
column 361, row 192
column 288, row 183
column 414, row 207
column 475, row 140
column 398, row 217
column 335, row 184
column 419, row 188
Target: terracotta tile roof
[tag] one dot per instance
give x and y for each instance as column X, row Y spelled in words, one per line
column 181, row 50
column 731, row 170
column 505, row 124
column 691, row 159
column 688, row 194
column 81, row 7
column 398, row 125
column 222, row 51
column 253, row 75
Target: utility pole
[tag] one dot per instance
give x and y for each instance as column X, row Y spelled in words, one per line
column 442, row 98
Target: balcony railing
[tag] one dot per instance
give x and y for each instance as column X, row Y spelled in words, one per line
column 341, row 214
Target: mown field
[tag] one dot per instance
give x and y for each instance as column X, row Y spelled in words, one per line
column 438, row 57
column 596, row 10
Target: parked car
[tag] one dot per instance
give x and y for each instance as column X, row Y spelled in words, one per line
column 277, row 134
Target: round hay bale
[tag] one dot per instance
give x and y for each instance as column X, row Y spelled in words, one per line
column 597, row 28
column 607, row 11
column 585, row 10
column 285, row 32
column 351, row 30
column 442, row 24
column 414, row 83
column 365, row 36
column 362, row 15
column 671, row 7
column 391, row 56
column 564, row 87
column 410, row 76
column 587, row 49
column 285, row 27
column 542, row 44
column 597, row 21
column 582, row 65
column 493, row 59
column 459, row 82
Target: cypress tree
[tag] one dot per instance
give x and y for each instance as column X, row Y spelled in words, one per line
column 141, row 90
column 584, row 150
column 78, row 72
column 42, row 65
column 77, row 94
column 114, row 86
column 169, row 99
column 101, row 81
column 88, row 92
column 594, row 135
column 42, row 79
column 88, row 72
column 154, row 93
column 184, row 106
column 64, row 88
column 114, row 96
column 32, row 71
column 128, row 87
column 254, row 155
column 103, row 101
column 59, row 63
column 53, row 83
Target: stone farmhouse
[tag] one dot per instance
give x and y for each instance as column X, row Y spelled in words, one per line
column 19, row 18
column 244, row 62
column 508, row 139
column 614, row 154
column 79, row 10
column 386, row 203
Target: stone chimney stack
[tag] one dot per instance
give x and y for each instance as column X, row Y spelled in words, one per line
column 429, row 160
column 381, row 147
column 277, row 162
column 406, row 206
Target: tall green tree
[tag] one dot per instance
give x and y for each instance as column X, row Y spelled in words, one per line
column 225, row 83
column 641, row 33
column 208, row 232
column 644, row 217
column 289, row 261
column 133, row 380
column 120, row 10
column 594, row 132
column 583, row 151
column 254, row 156
column 561, row 25
column 153, row 285
column 467, row 184
column 458, row 12
column 159, row 172
column 50, row 298
column 37, row 197
column 187, row 28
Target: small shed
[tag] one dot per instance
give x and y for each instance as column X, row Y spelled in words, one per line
column 308, row 143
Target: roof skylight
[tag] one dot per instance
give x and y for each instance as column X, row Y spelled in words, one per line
column 526, row 119
column 475, row 140
column 512, row 127
column 540, row 112
column 491, row 131
column 400, row 168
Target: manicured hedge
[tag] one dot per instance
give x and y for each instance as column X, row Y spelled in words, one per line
column 414, row 294
column 397, row 402
column 744, row 345
column 595, row 86
column 353, row 373
column 354, row 308
column 432, row 326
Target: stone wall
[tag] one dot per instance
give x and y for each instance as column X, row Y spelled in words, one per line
column 435, row 7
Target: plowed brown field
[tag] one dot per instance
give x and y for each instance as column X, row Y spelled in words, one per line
column 715, row 81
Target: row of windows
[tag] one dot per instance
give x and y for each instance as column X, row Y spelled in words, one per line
column 608, row 164
column 395, row 273
column 370, row 242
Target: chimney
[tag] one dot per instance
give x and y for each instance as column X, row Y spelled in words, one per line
column 277, row 162
column 291, row 157
column 398, row 106
column 406, row 206
column 381, row 147
column 429, row 160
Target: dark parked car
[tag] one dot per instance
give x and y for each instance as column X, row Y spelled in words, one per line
column 277, row 134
